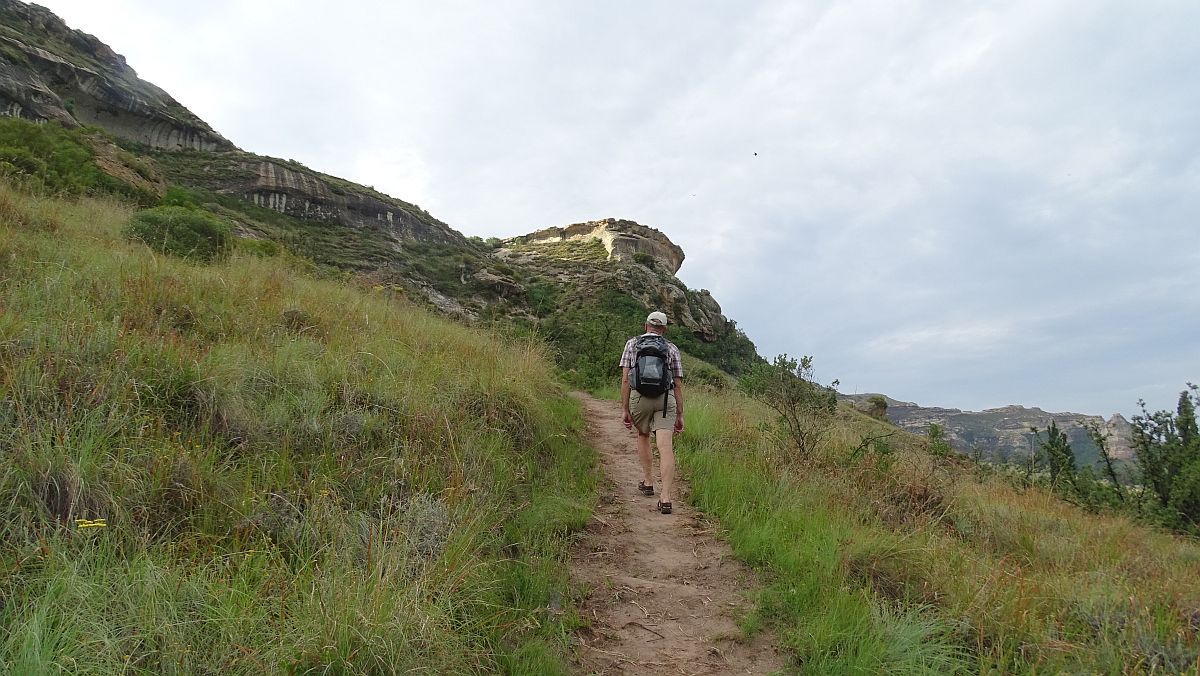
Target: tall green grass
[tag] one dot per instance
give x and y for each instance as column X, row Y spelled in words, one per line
column 891, row 560
column 295, row 475
column 780, row 522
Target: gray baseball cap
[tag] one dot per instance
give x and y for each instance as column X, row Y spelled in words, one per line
column 657, row 319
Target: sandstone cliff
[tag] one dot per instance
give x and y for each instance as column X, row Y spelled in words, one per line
column 291, row 189
column 50, row 72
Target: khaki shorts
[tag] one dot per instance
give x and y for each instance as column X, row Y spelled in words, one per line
column 647, row 412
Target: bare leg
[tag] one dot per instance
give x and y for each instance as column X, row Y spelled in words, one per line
column 666, row 461
column 643, row 443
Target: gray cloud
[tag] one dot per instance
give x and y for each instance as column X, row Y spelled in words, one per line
column 963, row 204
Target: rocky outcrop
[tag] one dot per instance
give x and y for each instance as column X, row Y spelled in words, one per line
column 502, row 286
column 297, row 191
column 1119, row 434
column 50, row 72
column 647, row 262
column 623, row 239
column 696, row 310
column 1004, row 433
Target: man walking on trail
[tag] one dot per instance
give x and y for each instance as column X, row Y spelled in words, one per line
column 652, row 399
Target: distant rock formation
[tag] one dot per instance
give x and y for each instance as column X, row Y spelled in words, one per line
column 653, row 285
column 71, row 77
column 623, row 239
column 1004, row 433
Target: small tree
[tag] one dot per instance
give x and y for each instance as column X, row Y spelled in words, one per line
column 1109, row 466
column 1167, row 448
column 877, row 407
column 937, row 441
column 788, row 386
column 1057, row 454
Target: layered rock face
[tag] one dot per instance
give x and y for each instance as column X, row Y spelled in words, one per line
column 696, row 310
column 306, row 194
column 71, row 77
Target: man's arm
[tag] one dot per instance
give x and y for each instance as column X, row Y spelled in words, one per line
column 628, row 419
column 678, row 404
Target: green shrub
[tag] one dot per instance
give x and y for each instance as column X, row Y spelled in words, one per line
column 701, row 373
column 542, row 297
column 877, row 407
column 184, row 232
column 1167, row 447
column 805, row 407
column 937, row 441
column 263, row 248
column 178, row 196
column 642, row 258
column 52, row 158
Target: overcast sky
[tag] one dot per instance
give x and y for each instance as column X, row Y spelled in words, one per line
column 962, row 204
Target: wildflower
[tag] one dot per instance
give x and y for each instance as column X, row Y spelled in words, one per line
column 84, row 524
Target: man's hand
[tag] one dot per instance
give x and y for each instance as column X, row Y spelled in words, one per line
column 628, row 420
column 678, row 423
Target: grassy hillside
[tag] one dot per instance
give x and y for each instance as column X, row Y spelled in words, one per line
column 238, row 468
column 241, row 466
column 887, row 559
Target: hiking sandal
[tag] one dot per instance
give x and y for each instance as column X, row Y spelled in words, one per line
column 664, row 507
column 644, row 489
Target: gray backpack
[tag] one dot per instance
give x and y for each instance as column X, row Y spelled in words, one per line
column 651, row 373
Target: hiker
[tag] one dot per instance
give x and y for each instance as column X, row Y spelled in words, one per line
column 652, row 398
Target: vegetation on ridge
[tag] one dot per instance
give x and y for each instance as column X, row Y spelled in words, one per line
column 1163, row 484
column 49, row 157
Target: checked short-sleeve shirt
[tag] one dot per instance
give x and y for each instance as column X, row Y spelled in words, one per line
column 673, row 361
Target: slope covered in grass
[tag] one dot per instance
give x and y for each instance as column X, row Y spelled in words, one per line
column 886, row 559
column 237, row 468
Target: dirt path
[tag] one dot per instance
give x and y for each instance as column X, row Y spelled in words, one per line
column 663, row 592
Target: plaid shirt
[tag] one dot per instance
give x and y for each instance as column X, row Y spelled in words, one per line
column 673, row 362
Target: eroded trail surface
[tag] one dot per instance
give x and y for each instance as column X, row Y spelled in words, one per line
column 663, row 592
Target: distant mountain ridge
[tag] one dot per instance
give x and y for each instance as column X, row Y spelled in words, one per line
column 1004, row 433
